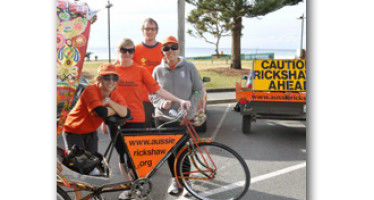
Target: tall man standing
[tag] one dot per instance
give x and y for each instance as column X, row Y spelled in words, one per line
column 148, row 54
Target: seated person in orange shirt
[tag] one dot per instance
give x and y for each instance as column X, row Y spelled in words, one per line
column 132, row 80
column 148, row 54
column 97, row 102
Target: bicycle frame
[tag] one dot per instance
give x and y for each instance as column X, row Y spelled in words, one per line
column 192, row 148
column 189, row 138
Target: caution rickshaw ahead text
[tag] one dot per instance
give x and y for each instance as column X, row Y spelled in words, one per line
column 279, row 75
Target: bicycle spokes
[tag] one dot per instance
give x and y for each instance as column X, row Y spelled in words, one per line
column 226, row 178
column 202, row 162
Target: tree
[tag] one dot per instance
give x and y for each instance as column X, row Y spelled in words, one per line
column 235, row 10
column 181, row 20
column 205, row 21
column 88, row 55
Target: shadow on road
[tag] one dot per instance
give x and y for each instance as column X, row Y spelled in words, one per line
column 268, row 140
column 256, row 195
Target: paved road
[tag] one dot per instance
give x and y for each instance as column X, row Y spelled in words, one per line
column 221, row 97
column 275, row 152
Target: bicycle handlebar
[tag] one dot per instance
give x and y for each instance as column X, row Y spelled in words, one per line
column 172, row 117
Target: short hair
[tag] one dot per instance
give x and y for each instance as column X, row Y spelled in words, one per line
column 149, row 20
column 125, row 42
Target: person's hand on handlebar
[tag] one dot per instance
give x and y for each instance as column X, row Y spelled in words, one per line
column 173, row 116
column 184, row 104
column 167, row 104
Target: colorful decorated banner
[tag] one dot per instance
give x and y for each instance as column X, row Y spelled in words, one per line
column 73, row 28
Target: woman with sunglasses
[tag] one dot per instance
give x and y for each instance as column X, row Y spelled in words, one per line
column 132, row 80
column 182, row 79
column 97, row 102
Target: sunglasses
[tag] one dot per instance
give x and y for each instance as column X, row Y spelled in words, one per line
column 124, row 50
column 108, row 77
column 172, row 47
column 150, row 29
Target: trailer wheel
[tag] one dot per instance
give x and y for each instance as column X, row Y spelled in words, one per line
column 237, row 107
column 246, row 124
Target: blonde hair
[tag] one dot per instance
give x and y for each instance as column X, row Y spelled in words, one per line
column 125, row 42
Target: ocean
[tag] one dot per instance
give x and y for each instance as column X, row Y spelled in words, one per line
column 102, row 53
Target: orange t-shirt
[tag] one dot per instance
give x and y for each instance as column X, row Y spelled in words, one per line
column 83, row 119
column 148, row 57
column 132, row 81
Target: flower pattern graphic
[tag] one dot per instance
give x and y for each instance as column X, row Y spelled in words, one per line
column 73, row 27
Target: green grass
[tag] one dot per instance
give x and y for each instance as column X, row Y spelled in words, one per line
column 220, row 73
column 218, row 81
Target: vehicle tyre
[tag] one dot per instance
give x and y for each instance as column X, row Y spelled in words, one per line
column 237, row 107
column 61, row 194
column 231, row 176
column 246, row 124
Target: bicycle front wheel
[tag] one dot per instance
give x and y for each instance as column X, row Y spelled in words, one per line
column 61, row 194
column 215, row 173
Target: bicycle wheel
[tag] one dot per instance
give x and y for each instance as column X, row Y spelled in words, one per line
column 227, row 177
column 98, row 197
column 61, row 194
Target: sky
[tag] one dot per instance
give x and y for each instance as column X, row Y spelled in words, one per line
column 278, row 30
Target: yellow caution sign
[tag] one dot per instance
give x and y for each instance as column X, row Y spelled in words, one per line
column 279, row 75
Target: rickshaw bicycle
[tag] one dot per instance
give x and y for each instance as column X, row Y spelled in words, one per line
column 208, row 170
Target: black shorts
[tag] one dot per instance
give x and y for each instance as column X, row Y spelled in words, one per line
column 119, row 144
column 149, row 110
column 88, row 141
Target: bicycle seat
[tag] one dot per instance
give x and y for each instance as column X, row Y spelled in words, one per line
column 117, row 120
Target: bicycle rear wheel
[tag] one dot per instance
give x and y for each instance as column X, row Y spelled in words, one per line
column 227, row 177
column 61, row 194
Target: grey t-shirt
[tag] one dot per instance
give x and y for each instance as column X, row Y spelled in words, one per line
column 183, row 81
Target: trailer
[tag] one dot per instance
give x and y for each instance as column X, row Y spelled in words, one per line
column 273, row 89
